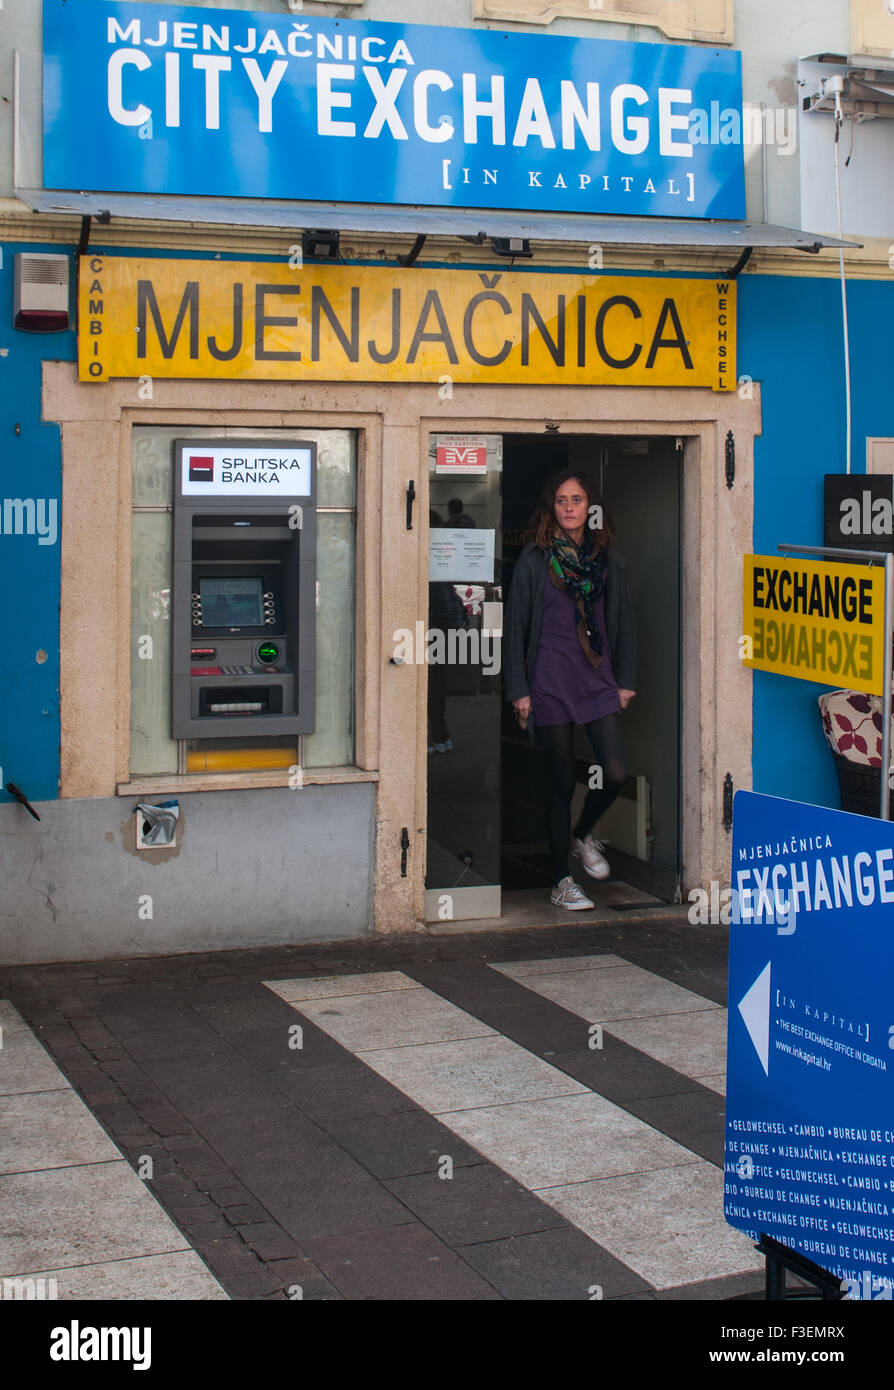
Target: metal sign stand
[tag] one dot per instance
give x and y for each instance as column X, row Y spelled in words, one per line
column 872, row 556
column 779, row 1259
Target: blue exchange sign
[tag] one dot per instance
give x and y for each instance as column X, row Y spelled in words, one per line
column 809, row 1153
column 229, row 103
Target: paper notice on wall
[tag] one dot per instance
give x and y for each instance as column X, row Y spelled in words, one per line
column 461, row 555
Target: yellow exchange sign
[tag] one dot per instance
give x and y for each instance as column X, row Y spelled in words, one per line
column 269, row 321
column 820, row 621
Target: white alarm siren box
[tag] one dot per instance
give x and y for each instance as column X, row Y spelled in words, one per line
column 41, row 292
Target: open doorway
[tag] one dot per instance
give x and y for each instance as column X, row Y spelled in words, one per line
column 641, row 483
column 487, row 854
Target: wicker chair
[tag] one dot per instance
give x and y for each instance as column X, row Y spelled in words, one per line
column 852, row 724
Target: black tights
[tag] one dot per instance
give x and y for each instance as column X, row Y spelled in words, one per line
column 608, row 749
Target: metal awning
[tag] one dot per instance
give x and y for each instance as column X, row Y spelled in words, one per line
column 480, row 224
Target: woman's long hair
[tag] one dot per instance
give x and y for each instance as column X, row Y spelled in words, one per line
column 543, row 525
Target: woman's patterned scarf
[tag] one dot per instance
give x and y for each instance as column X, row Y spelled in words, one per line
column 582, row 573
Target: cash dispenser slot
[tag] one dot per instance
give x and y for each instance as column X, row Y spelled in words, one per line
column 229, row 700
column 244, row 589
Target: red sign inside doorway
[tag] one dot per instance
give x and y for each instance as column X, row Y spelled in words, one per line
column 461, row 453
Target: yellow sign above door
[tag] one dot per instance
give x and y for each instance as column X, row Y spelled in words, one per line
column 820, row 621
column 267, row 321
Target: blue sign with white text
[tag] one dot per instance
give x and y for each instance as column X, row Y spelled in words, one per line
column 809, row 1154
column 167, row 99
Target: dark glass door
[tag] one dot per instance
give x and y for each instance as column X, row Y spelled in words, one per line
column 463, row 638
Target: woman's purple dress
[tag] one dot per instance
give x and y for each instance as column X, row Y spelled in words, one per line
column 566, row 689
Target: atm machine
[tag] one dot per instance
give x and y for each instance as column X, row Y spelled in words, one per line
column 244, row 588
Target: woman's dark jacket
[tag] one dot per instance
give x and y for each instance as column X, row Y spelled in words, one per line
column 524, row 611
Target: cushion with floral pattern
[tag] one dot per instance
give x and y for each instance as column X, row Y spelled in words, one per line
column 852, row 723
column 472, row 597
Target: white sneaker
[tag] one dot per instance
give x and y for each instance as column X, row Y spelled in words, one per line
column 589, row 852
column 569, row 894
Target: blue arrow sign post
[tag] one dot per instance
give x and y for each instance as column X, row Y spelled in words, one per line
column 809, row 1154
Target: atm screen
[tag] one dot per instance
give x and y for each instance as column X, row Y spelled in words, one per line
column 231, row 602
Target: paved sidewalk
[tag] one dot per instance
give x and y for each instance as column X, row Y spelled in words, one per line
column 77, row 1221
column 506, row 1115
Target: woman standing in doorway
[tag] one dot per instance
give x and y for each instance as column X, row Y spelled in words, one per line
column 570, row 659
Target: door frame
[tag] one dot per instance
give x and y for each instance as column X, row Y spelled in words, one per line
column 716, row 524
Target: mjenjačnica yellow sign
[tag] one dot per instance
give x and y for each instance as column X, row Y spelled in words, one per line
column 820, row 621
column 267, row 321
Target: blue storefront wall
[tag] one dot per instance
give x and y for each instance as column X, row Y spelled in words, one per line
column 31, row 468
column 790, row 340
